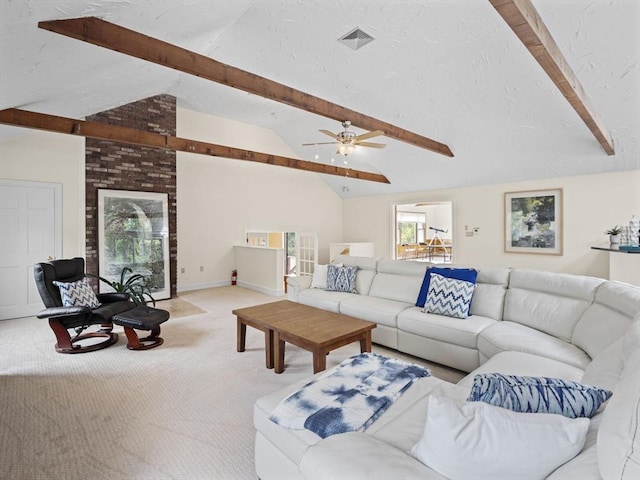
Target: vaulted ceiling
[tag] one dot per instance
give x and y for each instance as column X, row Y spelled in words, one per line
column 450, row 70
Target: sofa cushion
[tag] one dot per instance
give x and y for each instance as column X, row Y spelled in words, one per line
column 606, row 369
column 373, row 309
column 356, row 455
column 519, row 363
column 619, row 433
column 438, row 327
column 315, row 297
column 292, row 443
column 491, row 288
column 550, row 302
column 607, row 318
column 366, row 270
column 467, row 274
column 494, row 442
column 538, row 394
column 509, row 336
column 398, row 280
column 363, row 263
column 449, row 297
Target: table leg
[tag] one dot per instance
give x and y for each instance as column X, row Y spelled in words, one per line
column 268, row 347
column 242, row 335
column 365, row 343
column 278, row 352
column 319, row 361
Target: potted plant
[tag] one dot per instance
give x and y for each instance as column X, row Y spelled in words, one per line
column 614, row 234
column 136, row 285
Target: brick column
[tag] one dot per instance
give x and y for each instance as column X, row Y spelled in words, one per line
column 120, row 166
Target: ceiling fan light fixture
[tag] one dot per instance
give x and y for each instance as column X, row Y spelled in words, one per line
column 345, row 149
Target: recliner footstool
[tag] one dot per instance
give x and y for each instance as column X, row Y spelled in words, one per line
column 142, row 318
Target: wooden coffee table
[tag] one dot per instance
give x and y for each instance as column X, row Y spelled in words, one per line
column 310, row 328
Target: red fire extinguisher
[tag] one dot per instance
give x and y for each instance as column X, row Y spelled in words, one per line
column 234, row 277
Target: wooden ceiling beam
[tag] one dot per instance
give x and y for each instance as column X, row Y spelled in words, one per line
column 523, row 19
column 103, row 131
column 113, row 37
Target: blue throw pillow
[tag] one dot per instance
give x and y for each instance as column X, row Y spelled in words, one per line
column 448, row 296
column 341, row 279
column 538, row 395
column 466, row 274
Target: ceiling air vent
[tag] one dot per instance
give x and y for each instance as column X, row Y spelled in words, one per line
column 355, row 39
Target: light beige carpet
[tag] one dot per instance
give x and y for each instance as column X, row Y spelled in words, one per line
column 178, row 307
column 179, row 411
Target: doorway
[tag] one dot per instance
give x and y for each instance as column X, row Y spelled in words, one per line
column 31, row 216
column 423, row 232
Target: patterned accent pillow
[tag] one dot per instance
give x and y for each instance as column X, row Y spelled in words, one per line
column 77, row 294
column 538, row 395
column 341, row 279
column 448, row 296
column 466, row 274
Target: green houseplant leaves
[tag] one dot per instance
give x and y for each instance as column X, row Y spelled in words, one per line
column 136, row 285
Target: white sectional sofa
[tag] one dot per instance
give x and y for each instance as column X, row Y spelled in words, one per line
column 523, row 322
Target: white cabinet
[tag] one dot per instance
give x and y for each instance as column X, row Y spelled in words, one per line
column 624, row 267
column 355, row 249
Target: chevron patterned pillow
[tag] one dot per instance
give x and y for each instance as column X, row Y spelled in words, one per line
column 448, row 296
column 77, row 294
column 538, row 394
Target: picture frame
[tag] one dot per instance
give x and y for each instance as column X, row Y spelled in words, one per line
column 533, row 222
column 133, row 231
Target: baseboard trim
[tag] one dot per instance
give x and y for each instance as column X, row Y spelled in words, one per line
column 258, row 288
column 225, row 283
column 201, row 286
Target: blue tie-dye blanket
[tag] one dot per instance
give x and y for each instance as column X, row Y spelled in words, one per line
column 349, row 399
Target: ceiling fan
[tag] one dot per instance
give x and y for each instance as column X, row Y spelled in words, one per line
column 347, row 140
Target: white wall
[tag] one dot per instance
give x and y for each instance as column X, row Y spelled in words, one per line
column 591, row 204
column 218, row 199
column 439, row 216
column 56, row 158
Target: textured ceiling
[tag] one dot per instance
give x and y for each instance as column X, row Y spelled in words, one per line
column 451, row 70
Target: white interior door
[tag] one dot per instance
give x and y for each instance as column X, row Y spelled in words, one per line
column 306, row 252
column 31, row 232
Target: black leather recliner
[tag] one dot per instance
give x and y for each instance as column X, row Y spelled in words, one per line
column 79, row 318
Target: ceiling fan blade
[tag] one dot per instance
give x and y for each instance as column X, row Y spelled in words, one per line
column 331, row 134
column 319, row 143
column 370, row 144
column 375, row 133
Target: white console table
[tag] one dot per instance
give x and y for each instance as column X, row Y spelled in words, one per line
column 624, row 266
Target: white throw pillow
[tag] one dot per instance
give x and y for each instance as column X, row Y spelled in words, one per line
column 319, row 279
column 479, row 441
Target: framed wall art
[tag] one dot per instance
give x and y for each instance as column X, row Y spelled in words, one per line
column 533, row 222
column 133, row 231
